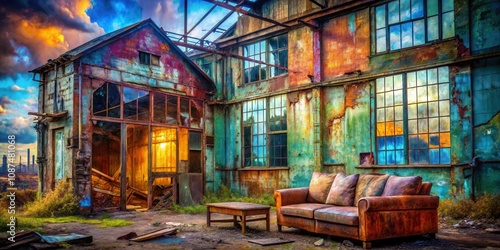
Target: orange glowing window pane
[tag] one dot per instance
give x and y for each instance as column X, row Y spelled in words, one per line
column 444, row 140
column 398, row 130
column 389, row 128
column 381, row 129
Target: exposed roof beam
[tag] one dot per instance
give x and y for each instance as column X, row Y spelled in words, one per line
column 223, row 53
column 201, row 19
column 311, row 24
column 317, row 3
column 217, row 24
column 244, row 12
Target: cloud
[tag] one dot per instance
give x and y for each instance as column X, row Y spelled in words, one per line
column 4, row 101
column 21, row 127
column 165, row 13
column 115, row 14
column 16, row 88
column 33, row 31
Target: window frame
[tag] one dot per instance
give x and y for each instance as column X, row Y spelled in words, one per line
column 385, row 28
column 250, row 51
column 408, row 116
column 152, row 59
column 271, row 159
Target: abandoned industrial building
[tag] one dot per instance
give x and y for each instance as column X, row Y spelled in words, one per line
column 403, row 87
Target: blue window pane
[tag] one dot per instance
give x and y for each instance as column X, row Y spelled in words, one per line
column 423, row 141
column 400, row 157
column 381, row 143
column 445, row 156
column 389, row 143
column 380, row 16
column 407, row 35
column 423, row 156
column 417, row 9
column 400, row 142
column 391, row 159
column 413, row 141
column 448, row 25
column 434, row 156
column 393, row 8
column 418, row 32
column 381, row 41
column 381, row 158
column 434, row 140
column 405, row 11
column 395, row 37
column 413, row 156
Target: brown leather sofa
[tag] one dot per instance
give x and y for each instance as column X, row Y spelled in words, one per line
column 370, row 218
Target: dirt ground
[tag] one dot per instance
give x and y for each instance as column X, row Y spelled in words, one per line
column 194, row 234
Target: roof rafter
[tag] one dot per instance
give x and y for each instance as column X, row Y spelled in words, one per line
column 317, row 3
column 244, row 12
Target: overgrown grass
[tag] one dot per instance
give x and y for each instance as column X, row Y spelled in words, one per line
column 485, row 207
column 223, row 195
column 59, row 202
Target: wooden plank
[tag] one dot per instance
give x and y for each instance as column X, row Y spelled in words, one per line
column 155, row 234
column 270, row 241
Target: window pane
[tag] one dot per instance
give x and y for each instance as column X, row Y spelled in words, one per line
column 443, row 74
column 129, row 103
column 447, row 5
column 143, row 105
column 398, row 81
column 380, row 85
column 398, row 97
column 444, row 155
column 412, row 127
column 155, row 60
column 99, row 99
column 405, row 10
column 433, row 92
column 184, row 111
column 380, row 115
column 448, row 25
column 412, row 111
column 398, row 113
column 412, row 95
column 444, row 108
column 407, row 34
column 143, row 57
column 433, row 109
column 283, row 41
column 444, row 91
column 395, row 37
column 444, row 124
column 417, row 9
column 113, row 95
column 418, row 32
column 432, row 28
column 432, row 7
column 380, row 16
column 114, row 112
column 433, row 125
column 432, row 76
column 159, row 114
column 172, row 110
column 393, row 8
column 411, row 79
column 381, row 41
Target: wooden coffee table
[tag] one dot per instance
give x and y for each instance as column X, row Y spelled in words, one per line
column 242, row 209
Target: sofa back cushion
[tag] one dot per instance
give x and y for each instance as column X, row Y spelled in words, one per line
column 370, row 185
column 426, row 188
column 319, row 186
column 397, row 185
column 342, row 190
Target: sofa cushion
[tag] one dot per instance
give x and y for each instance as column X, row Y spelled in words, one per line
column 369, row 185
column 337, row 214
column 305, row 210
column 426, row 188
column 342, row 190
column 397, row 185
column 319, row 186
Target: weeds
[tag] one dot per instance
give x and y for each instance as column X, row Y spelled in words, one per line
column 485, row 207
column 59, row 202
column 223, row 195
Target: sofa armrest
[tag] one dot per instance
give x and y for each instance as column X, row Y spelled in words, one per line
column 401, row 202
column 290, row 196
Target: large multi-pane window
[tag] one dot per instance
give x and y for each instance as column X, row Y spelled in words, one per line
column 264, row 132
column 272, row 51
column 413, row 118
column 406, row 23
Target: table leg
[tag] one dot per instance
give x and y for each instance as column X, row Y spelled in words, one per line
column 267, row 221
column 235, row 220
column 243, row 223
column 208, row 217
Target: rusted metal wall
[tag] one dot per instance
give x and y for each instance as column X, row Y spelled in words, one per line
column 343, row 103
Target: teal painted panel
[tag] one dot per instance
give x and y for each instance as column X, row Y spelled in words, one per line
column 460, row 116
column 333, row 124
column 301, row 140
column 485, row 25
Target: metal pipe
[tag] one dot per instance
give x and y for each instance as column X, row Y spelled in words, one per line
column 79, row 108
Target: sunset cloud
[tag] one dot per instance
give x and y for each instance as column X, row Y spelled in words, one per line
column 4, row 102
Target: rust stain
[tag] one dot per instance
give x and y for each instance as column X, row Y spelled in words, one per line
column 352, row 91
column 462, row 50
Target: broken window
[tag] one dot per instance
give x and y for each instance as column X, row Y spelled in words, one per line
column 172, row 113
column 59, row 154
column 273, row 51
column 106, row 101
column 413, row 118
column 135, row 104
column 264, row 132
column 196, row 113
column 184, row 115
column 148, row 59
column 405, row 23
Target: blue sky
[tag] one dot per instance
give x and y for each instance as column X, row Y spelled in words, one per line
column 33, row 31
